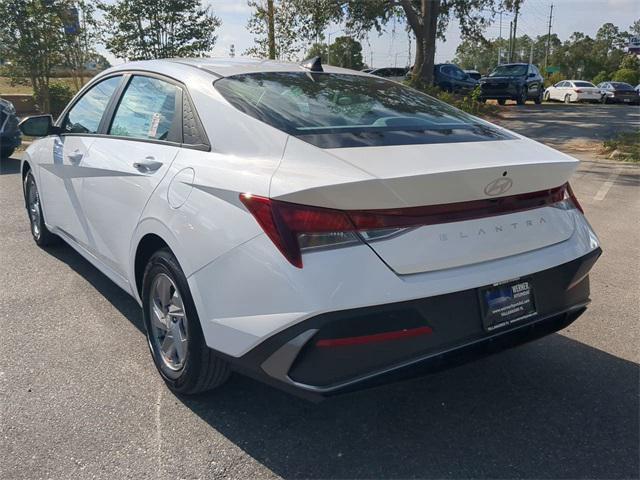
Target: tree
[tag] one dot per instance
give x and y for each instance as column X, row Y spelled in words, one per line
column 146, row 29
column 427, row 19
column 32, row 32
column 318, row 50
column 346, row 52
column 286, row 21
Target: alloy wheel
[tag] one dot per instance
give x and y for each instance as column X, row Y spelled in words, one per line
column 169, row 326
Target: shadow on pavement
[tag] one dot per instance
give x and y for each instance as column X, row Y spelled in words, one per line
column 555, row 408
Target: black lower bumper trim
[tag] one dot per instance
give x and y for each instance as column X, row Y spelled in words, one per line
column 293, row 359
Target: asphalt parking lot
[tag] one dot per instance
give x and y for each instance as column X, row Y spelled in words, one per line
column 80, row 398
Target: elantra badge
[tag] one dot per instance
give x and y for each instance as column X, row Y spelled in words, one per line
column 498, row 186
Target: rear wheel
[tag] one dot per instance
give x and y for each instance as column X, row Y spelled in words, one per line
column 501, row 101
column 174, row 334
column 538, row 99
column 41, row 234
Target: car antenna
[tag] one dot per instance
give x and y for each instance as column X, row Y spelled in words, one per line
column 313, row 64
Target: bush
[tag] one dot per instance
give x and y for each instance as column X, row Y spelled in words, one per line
column 469, row 103
column 60, row 95
column 602, row 76
column 626, row 75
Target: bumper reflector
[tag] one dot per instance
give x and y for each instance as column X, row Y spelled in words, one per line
column 376, row 338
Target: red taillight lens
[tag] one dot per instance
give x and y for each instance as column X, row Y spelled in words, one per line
column 294, row 228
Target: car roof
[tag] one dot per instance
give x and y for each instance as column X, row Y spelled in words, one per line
column 224, row 67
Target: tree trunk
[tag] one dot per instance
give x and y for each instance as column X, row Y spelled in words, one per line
column 424, row 25
column 271, row 29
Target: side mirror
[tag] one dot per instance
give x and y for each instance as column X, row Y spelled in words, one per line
column 38, row 126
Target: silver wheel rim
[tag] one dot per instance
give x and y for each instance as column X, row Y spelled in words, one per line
column 34, row 209
column 169, row 327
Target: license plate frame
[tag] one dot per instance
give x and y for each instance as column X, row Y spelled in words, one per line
column 507, row 303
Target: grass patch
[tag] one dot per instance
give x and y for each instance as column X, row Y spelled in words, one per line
column 625, row 146
column 10, row 86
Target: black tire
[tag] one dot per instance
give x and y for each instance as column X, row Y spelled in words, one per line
column 523, row 97
column 567, row 99
column 39, row 231
column 538, row 99
column 202, row 369
column 6, row 152
column 501, row 101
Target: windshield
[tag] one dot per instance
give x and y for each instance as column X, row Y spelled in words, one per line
column 509, row 71
column 621, row 86
column 337, row 110
column 584, row 84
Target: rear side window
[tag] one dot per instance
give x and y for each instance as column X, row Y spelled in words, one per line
column 147, row 110
column 86, row 113
column 338, row 110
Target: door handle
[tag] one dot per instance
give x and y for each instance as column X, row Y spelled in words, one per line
column 148, row 165
column 75, row 157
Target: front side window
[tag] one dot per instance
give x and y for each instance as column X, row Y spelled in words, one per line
column 86, row 113
column 147, row 110
column 339, row 110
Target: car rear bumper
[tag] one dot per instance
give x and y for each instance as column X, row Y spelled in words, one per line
column 347, row 350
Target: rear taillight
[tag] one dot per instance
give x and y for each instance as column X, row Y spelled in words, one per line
column 573, row 198
column 294, row 228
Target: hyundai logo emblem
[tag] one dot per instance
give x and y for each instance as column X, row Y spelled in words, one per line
column 498, row 186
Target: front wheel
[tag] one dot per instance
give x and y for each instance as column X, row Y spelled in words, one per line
column 39, row 231
column 174, row 334
column 522, row 98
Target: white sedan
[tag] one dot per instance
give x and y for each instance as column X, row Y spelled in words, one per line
column 569, row 91
column 317, row 228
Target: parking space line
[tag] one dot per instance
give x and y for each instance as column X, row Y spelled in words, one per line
column 606, row 186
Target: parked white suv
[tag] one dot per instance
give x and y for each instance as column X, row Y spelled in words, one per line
column 318, row 228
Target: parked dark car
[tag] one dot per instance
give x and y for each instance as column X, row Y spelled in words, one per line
column 513, row 81
column 10, row 136
column 452, row 78
column 618, row 92
column 476, row 75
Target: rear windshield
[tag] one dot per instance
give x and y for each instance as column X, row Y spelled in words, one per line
column 337, row 110
column 583, row 84
column 510, row 71
column 621, row 86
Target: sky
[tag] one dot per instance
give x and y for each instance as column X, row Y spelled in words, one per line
column 392, row 47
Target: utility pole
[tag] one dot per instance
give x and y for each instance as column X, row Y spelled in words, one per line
column 271, row 28
column 515, row 28
column 546, row 52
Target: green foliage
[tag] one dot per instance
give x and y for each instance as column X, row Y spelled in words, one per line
column 627, row 145
column 146, row 29
column 626, row 75
column 602, row 76
column 318, row 50
column 60, row 94
column 469, row 103
column 346, row 52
